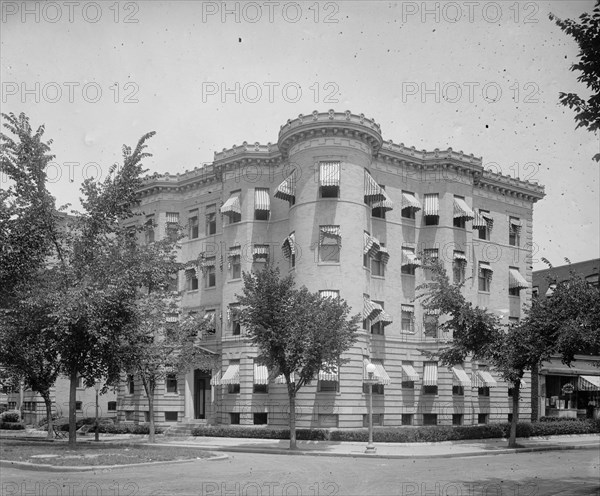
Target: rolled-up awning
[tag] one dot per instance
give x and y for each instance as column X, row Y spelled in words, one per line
column 489, row 219
column 386, row 204
column 371, row 309
column 380, row 374
column 288, row 247
column 408, row 308
column 232, row 205
column 430, row 374
column 234, row 251
column 329, row 231
column 326, row 293
column 260, row 251
column 460, row 377
column 483, row 378
column 462, row 210
column 432, row 204
column 261, row 199
column 485, row 266
column 459, row 256
column 173, row 217
column 409, row 373
column 516, row 280
column 515, row 224
column 373, row 192
column 329, row 376
column 287, row 189
column 261, row 374
column 410, row 201
column 371, row 244
column 232, row 374
column 329, row 174
column 478, row 221
column 588, row 383
column 409, row 258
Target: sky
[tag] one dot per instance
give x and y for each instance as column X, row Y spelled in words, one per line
column 481, row 77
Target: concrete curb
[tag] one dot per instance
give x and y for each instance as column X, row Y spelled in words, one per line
column 37, row 467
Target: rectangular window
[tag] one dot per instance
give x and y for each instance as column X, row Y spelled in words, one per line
column 458, row 390
column 432, row 220
column 232, row 208
column 129, row 415
column 379, row 208
column 430, row 419
column 328, row 386
column 377, row 419
column 408, row 384
column 262, row 204
column 330, row 243
column 233, row 388
column 261, row 388
column 408, row 211
column 78, row 405
column 171, row 416
column 430, row 325
column 234, row 319
column 484, row 277
column 149, row 229
column 408, row 318
column 146, row 416
column 483, row 391
column 409, row 261
column 210, row 317
column 431, row 209
column 234, row 418
column 459, row 222
column 430, row 254
column 192, row 279
column 457, row 419
column 377, row 264
column 514, row 231
column 459, row 264
column 234, row 263
column 484, row 229
column 407, row 419
column 172, row 228
column 193, row 226
column 377, row 388
column 509, row 418
column 261, row 418
column 329, row 179
column 329, row 293
column 482, row 418
column 171, row 383
column 130, row 384
column 80, row 382
column 430, row 390
column 112, row 406
column 211, row 220
column 378, row 326
column 210, row 273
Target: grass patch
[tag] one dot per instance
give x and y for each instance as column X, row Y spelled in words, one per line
column 92, row 455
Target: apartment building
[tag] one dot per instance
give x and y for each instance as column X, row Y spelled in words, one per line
column 351, row 215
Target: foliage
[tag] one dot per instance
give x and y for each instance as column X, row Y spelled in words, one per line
column 254, row 432
column 10, row 416
column 586, row 33
column 297, row 333
column 12, row 426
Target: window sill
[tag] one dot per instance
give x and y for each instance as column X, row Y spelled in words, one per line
column 191, row 291
column 484, row 292
column 329, row 263
column 239, row 279
column 171, row 394
column 378, row 277
column 210, row 288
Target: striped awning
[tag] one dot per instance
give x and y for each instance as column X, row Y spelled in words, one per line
column 329, row 376
column 460, row 377
column 515, row 224
column 371, row 309
column 386, row 204
column 373, row 192
column 459, row 256
column 479, row 222
column 287, row 189
column 208, row 262
column 516, row 280
column 588, row 383
column 261, row 199
column 232, row 205
column 488, row 218
column 329, row 231
column 326, row 293
column 380, row 374
column 260, row 251
column 261, row 374
column 371, row 245
column 462, row 210
column 234, row 251
column 173, row 217
column 410, row 201
column 409, row 257
column 280, row 379
column 407, row 308
column 329, row 174
column 409, row 373
column 172, row 317
column 384, row 254
column 383, row 317
column 483, row 378
column 288, row 247
column 430, row 374
column 432, row 204
column 216, row 379
column 485, row 266
column 550, row 290
column 232, row 374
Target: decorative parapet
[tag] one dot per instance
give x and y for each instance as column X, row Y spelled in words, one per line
column 156, row 183
column 504, row 184
column 423, row 156
column 330, row 123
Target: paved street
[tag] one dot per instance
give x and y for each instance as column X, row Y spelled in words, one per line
column 573, row 473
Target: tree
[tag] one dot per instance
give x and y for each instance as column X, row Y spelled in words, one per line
column 587, row 35
column 297, row 332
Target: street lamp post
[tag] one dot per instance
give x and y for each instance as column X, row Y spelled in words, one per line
column 97, row 388
column 370, row 381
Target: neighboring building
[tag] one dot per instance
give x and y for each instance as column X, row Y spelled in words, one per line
column 560, row 390
column 350, row 215
column 34, row 408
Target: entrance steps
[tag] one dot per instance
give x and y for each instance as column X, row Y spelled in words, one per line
column 184, row 429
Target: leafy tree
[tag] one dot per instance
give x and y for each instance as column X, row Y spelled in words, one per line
column 586, row 33
column 297, row 332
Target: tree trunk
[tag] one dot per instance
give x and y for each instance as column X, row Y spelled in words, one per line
column 151, row 436
column 72, row 411
column 512, row 440
column 48, row 402
column 292, row 396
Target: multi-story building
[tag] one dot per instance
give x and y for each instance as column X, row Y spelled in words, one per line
column 560, row 390
column 349, row 215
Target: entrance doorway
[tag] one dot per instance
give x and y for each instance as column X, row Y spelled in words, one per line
column 201, row 392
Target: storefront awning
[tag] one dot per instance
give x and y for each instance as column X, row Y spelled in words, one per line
column 329, row 174
column 232, row 205
column 329, row 376
column 556, row 367
column 261, row 199
column 287, row 189
column 432, row 205
column 483, row 378
column 380, row 374
column 261, row 374
column 373, row 192
column 409, row 373
column 430, row 374
column 232, row 374
column 462, row 210
column 460, row 377
column 410, row 201
column 409, row 258
column 589, row 383
column 386, row 204
column 516, row 280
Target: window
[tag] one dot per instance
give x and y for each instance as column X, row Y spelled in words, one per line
column 483, row 391
column 262, row 204
column 408, row 318
column 430, row 390
column 409, row 205
column 431, row 210
column 514, row 231
column 171, row 416
column 232, row 208
column 192, row 279
column 329, row 179
column 233, row 315
column 377, row 388
column 592, row 280
column 80, row 382
column 430, row 419
column 377, row 419
column 462, row 212
column 288, row 248
column 459, row 264
column 484, row 277
column 377, row 325
column 233, row 388
column 171, row 383
column 129, row 415
column 459, row 222
column 409, row 261
column 457, row 419
column 516, row 281
column 367, row 249
column 193, row 226
column 407, row 419
column 509, row 418
column 458, row 390
column 149, row 227
column 430, row 325
column 482, row 418
column 510, row 392
column 234, row 258
column 146, row 416
column 210, row 274
column 330, row 242
column 328, row 386
column 78, row 405
column 112, row 406
column 209, row 316
column 408, row 384
column 379, row 208
column 535, row 292
column 483, row 223
column 211, row 220
column 260, row 257
column 234, row 418
column 261, row 388
column 130, row 384
column 261, row 418
column 172, row 229
column 430, row 254
column 378, row 264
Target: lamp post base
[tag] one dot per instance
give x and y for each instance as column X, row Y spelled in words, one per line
column 370, row 450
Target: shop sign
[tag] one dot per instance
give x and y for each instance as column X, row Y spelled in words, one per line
column 568, row 388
